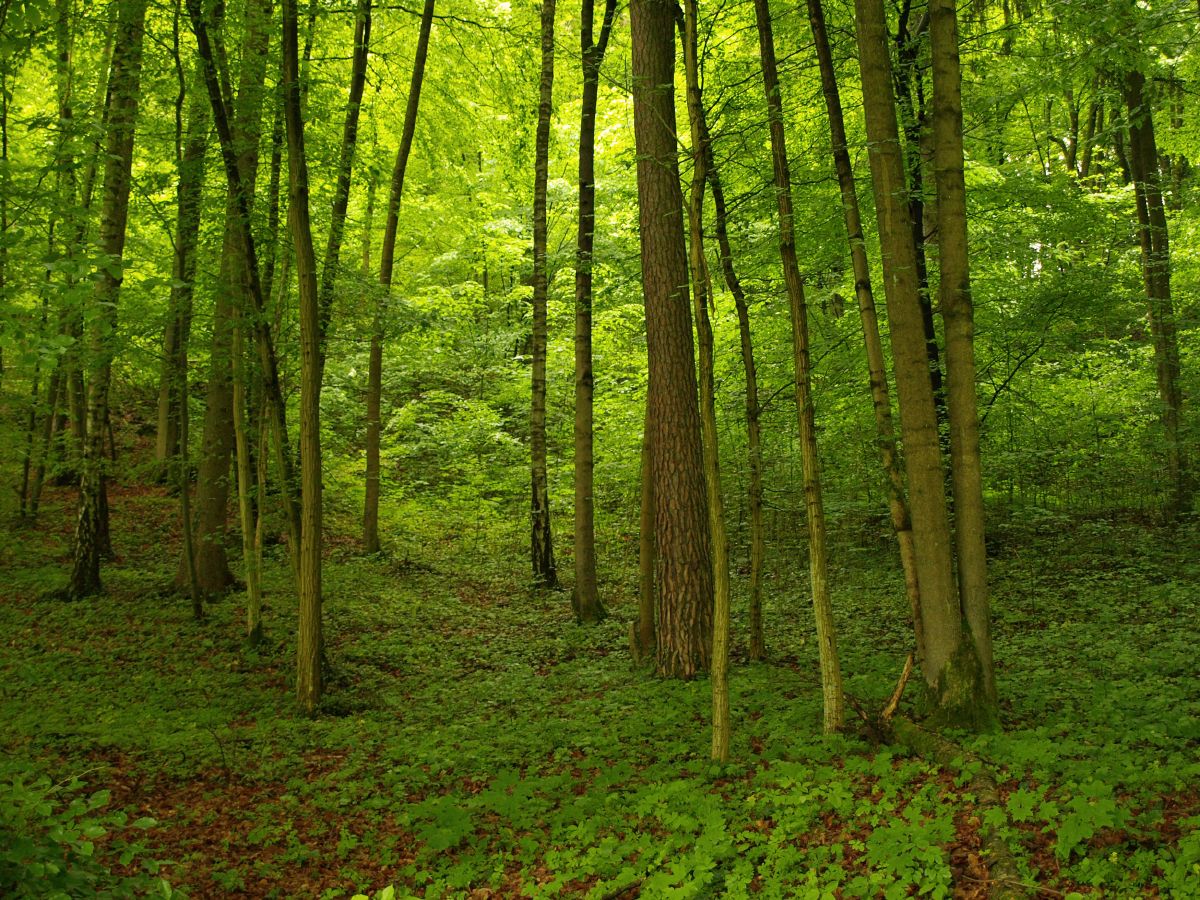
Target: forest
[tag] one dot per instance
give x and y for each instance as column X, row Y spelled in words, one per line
column 656, row 449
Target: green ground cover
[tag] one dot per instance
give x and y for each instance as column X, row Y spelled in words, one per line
column 475, row 742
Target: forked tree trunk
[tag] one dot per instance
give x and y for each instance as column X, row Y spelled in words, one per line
column 124, row 89
column 217, row 443
column 831, row 674
column 685, row 599
column 975, row 693
column 309, row 643
column 341, row 192
column 387, row 255
column 876, row 364
column 942, row 632
column 1156, row 276
column 585, row 598
column 541, row 537
column 701, row 297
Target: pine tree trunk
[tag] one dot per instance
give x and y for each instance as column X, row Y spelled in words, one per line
column 124, row 89
column 954, row 295
column 1156, row 272
column 309, row 642
column 701, row 297
column 387, row 255
column 941, row 623
column 541, row 537
column 876, row 365
column 586, row 599
column 685, row 599
column 831, row 675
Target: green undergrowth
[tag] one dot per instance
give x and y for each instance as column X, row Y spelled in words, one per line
column 475, row 742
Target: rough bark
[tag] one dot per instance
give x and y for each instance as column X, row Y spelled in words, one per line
column 876, row 364
column 831, row 676
column 1156, row 276
column 585, row 598
column 124, row 88
column 701, row 297
column 644, row 632
column 387, row 255
column 942, row 626
column 954, row 295
column 541, row 537
column 308, row 643
column 685, row 599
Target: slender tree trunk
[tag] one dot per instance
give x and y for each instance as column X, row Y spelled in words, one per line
column 189, row 194
column 124, row 88
column 831, row 675
column 1156, row 272
column 975, row 693
column 645, row 631
column 876, row 365
column 586, row 599
column 387, row 255
column 701, row 297
column 213, row 481
column 541, row 537
column 249, row 511
column 754, row 491
column 685, row 599
column 941, row 621
column 341, row 193
column 309, row 643
column 1089, row 137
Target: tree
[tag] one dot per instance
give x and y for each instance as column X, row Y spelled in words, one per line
column 124, row 87
column 818, row 563
column 387, row 255
column 701, row 296
column 541, row 539
column 585, row 599
column 685, row 598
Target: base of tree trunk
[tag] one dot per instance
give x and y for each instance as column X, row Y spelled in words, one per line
column 959, row 699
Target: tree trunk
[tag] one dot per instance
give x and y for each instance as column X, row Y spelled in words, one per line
column 309, row 643
column 541, row 537
column 1156, row 274
column 124, row 89
column 978, row 699
column 876, row 365
column 646, row 638
column 387, row 255
column 831, row 675
column 941, row 630
column 754, row 491
column 341, row 193
column 586, row 599
column 685, row 600
column 213, row 479
column 701, row 297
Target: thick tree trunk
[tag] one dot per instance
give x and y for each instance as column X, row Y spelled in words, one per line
column 309, row 643
column 685, row 599
column 586, row 599
column 341, row 192
column 701, row 297
column 1156, row 272
column 941, row 630
column 541, row 545
column 213, row 479
column 124, row 89
column 831, row 675
column 977, row 699
column 387, row 255
column 876, row 364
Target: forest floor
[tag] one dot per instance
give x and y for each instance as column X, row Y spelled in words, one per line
column 475, row 742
